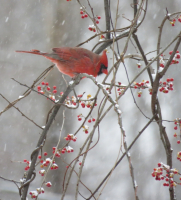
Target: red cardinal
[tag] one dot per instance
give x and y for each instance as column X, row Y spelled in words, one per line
column 72, row 61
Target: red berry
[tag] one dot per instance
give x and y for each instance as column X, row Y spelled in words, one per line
column 97, row 22
column 170, row 85
column 85, row 15
column 83, row 105
column 79, row 118
column 86, row 131
column 172, row 79
column 39, row 156
column 48, row 88
column 89, row 120
column 54, row 91
column 81, row 12
column 139, row 95
column 162, row 65
column 45, row 153
column 175, row 127
column 46, row 83
column 38, row 87
column 93, row 119
column 159, row 164
column 90, row 28
column 43, row 83
column 82, row 16
column 54, row 87
column 178, row 141
column 98, row 17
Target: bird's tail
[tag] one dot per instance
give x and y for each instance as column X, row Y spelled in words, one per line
column 33, row 51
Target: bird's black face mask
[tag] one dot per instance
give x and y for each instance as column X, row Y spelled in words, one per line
column 103, row 69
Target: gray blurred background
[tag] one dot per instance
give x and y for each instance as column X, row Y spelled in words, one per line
column 43, row 24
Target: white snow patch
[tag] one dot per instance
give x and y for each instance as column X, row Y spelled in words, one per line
column 71, row 82
column 7, row 18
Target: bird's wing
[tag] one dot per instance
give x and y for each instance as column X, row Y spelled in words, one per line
column 75, row 55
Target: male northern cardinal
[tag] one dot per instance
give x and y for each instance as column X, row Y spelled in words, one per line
column 72, row 61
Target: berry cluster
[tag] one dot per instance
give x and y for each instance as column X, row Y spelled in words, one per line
column 166, row 85
column 42, row 172
column 174, row 20
column 38, row 191
column 120, row 90
column 67, row 149
column 79, row 117
column 97, row 18
column 91, row 120
column 177, row 123
column 142, row 85
column 88, row 103
column 45, row 162
column 71, row 137
column 48, row 184
column 93, row 28
column 85, row 128
column 83, row 14
column 46, row 90
column 158, row 174
column 72, row 101
column 28, row 164
column 174, row 61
